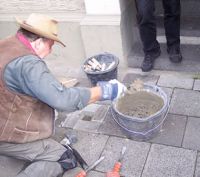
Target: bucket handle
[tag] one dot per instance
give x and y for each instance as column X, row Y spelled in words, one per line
column 115, row 119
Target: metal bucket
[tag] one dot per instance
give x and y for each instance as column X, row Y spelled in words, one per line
column 142, row 128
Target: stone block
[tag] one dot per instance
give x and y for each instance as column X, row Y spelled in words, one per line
column 196, row 85
column 176, row 80
column 172, row 131
column 90, row 145
column 192, row 134
column 185, row 102
column 169, row 161
column 133, row 160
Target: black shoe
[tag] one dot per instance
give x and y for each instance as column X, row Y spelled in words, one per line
column 174, row 54
column 148, row 62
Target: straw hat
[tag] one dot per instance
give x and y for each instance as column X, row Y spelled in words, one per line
column 41, row 25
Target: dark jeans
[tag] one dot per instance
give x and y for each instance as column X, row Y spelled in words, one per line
column 147, row 23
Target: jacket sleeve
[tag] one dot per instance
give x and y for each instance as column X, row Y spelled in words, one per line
column 30, row 75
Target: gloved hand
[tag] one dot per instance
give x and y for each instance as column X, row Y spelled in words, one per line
column 111, row 90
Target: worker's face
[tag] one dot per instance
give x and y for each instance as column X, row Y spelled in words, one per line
column 43, row 47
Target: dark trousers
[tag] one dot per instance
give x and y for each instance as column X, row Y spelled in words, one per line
column 147, row 23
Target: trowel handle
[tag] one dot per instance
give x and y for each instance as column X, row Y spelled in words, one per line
column 117, row 167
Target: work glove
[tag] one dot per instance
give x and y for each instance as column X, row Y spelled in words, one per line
column 111, row 90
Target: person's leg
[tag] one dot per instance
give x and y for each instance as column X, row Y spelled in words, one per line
column 172, row 12
column 147, row 25
column 147, row 28
column 42, row 153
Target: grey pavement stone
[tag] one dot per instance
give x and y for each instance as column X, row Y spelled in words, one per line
column 90, row 126
column 90, row 145
column 134, row 157
column 148, row 78
column 9, row 167
column 185, row 102
column 169, row 161
column 91, row 108
column 75, row 171
column 168, row 92
column 110, row 127
column 196, row 85
column 178, row 81
column 192, row 134
column 71, row 119
column 172, row 131
column 100, row 113
column 197, row 170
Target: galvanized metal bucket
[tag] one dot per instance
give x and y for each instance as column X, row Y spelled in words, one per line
column 142, row 128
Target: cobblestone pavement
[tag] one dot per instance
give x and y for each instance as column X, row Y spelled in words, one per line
column 174, row 152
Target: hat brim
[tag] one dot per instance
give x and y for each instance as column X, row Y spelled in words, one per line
column 30, row 28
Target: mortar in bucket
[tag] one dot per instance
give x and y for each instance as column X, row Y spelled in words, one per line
column 142, row 128
column 101, row 67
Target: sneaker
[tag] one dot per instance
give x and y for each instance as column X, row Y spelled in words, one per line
column 148, row 62
column 174, row 54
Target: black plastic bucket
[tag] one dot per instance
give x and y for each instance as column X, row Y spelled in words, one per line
column 107, row 74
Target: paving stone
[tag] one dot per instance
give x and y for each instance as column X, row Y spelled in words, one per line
column 178, row 81
column 71, row 119
column 75, row 171
column 166, row 161
column 172, row 131
column 90, row 126
column 168, row 92
column 91, row 108
column 100, row 113
column 192, row 134
column 110, row 127
column 148, row 79
column 197, row 170
column 134, row 157
column 90, row 145
column 9, row 167
column 185, row 102
column 196, row 85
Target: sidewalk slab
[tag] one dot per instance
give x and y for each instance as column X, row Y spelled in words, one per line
column 134, row 157
column 146, row 78
column 169, row 161
column 110, row 127
column 197, row 170
column 196, row 85
column 185, row 102
column 192, row 134
column 178, row 81
column 90, row 145
column 172, row 131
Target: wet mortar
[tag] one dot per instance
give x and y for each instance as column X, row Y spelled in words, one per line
column 140, row 104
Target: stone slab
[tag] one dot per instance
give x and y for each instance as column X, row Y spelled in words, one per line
column 168, row 92
column 9, row 167
column 192, row 134
column 90, row 126
column 133, row 160
column 110, row 127
column 146, row 78
column 178, row 81
column 169, row 161
column 185, row 102
column 90, row 145
column 75, row 171
column 172, row 131
column 197, row 170
column 196, row 85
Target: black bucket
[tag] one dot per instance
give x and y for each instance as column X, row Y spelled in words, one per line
column 105, row 75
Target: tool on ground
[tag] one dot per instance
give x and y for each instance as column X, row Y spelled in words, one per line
column 84, row 172
column 116, row 169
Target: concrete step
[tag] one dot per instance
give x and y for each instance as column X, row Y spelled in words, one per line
column 188, row 7
column 190, row 63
